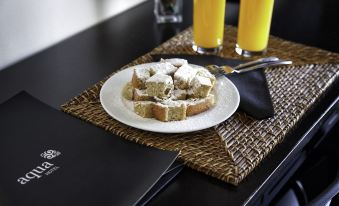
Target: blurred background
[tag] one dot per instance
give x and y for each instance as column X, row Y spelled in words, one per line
column 32, row 25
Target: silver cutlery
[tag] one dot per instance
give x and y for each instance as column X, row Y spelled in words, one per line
column 248, row 66
column 258, row 61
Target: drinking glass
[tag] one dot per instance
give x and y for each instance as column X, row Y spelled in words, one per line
column 168, row 11
column 254, row 26
column 208, row 25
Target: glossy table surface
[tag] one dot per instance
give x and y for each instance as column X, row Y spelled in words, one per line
column 57, row 74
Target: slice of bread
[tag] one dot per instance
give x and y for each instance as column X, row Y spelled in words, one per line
column 179, row 94
column 205, row 73
column 144, row 108
column 176, row 113
column 162, row 68
column 159, row 85
column 140, row 75
column 127, row 91
column 169, row 110
column 141, row 95
column 200, row 87
column 160, row 112
column 183, row 76
column 177, row 62
column 196, row 106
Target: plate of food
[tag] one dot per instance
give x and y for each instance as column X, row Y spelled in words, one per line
column 170, row 96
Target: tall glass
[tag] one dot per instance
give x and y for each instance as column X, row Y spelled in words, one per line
column 254, row 26
column 208, row 25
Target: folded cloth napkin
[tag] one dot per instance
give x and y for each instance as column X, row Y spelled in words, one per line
column 255, row 98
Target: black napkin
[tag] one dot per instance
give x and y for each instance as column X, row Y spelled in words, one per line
column 255, row 97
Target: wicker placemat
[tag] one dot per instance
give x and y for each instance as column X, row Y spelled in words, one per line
column 231, row 150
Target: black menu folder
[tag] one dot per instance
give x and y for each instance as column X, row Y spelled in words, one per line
column 50, row 158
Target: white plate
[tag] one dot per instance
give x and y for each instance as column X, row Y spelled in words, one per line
column 227, row 101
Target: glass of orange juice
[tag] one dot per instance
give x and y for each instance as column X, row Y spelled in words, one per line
column 208, row 25
column 254, row 26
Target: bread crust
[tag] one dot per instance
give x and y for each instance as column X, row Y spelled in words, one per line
column 160, row 112
column 136, row 82
column 128, row 91
column 139, row 77
column 166, row 113
column 200, row 106
column 141, row 95
column 144, row 108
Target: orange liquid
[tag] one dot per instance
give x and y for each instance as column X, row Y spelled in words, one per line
column 208, row 23
column 254, row 24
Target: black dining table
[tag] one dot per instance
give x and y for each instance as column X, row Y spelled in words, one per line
column 60, row 72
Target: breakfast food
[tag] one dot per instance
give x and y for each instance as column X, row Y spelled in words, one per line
column 177, row 62
column 163, row 68
column 144, row 108
column 200, row 87
column 170, row 90
column 159, row 85
column 169, row 110
column 183, row 76
column 202, row 72
column 196, row 106
column 127, row 91
column 179, row 94
column 139, row 77
column 141, row 95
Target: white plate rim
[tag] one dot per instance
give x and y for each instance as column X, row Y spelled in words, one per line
column 163, row 129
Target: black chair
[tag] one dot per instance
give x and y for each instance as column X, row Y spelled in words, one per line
column 317, row 181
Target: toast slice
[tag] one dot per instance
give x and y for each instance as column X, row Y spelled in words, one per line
column 179, row 94
column 128, row 91
column 144, row 108
column 177, row 62
column 159, row 85
column 197, row 106
column 202, row 72
column 140, row 75
column 141, row 95
column 169, row 110
column 200, row 87
column 183, row 76
column 163, row 68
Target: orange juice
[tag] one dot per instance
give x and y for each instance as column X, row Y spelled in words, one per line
column 208, row 23
column 254, row 24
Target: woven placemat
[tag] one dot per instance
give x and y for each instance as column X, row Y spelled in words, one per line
column 232, row 149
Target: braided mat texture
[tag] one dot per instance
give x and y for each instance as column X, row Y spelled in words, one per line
column 232, row 149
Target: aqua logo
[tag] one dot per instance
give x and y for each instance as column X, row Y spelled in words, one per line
column 45, row 169
column 50, row 154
